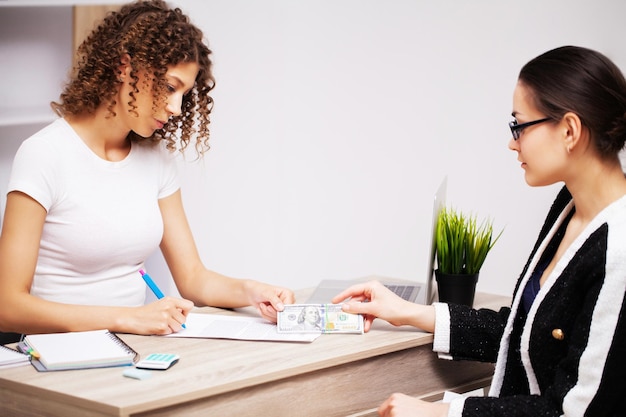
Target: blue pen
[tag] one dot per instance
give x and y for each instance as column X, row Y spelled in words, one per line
column 157, row 292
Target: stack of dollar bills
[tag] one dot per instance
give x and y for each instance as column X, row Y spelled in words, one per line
column 318, row 318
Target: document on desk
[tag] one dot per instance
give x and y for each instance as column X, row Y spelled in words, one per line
column 215, row 326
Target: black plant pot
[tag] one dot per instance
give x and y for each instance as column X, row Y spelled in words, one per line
column 456, row 288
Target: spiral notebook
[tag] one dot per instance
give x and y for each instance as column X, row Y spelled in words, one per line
column 78, row 350
column 10, row 358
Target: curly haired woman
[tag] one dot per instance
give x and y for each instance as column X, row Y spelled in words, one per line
column 93, row 194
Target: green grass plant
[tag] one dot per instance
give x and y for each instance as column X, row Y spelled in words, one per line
column 462, row 243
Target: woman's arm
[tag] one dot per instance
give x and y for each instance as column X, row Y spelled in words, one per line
column 475, row 334
column 21, row 312
column 205, row 287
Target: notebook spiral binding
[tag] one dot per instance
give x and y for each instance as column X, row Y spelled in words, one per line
column 124, row 345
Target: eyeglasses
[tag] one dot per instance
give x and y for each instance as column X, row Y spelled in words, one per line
column 516, row 129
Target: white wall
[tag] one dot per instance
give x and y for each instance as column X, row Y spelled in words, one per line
column 335, row 121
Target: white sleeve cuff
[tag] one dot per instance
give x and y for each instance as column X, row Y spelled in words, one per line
column 456, row 407
column 441, row 342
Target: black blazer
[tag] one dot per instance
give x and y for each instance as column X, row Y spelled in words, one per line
column 567, row 356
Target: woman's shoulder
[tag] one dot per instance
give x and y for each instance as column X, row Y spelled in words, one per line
column 615, row 214
column 45, row 141
column 154, row 154
column 152, row 149
column 50, row 134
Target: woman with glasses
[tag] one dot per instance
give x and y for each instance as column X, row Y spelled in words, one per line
column 560, row 348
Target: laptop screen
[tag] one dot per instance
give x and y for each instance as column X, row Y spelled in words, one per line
column 418, row 292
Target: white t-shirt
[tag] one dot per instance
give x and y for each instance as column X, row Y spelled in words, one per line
column 103, row 217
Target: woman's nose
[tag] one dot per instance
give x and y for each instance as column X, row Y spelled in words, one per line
column 174, row 104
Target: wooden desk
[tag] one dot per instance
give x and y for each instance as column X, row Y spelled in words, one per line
column 337, row 375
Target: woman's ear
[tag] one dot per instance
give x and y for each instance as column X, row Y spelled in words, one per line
column 124, row 67
column 572, row 131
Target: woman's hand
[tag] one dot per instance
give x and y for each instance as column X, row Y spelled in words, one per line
column 400, row 405
column 374, row 300
column 161, row 317
column 268, row 299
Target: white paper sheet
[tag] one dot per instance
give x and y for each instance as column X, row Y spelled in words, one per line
column 215, row 326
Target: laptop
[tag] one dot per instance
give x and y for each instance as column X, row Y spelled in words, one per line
column 417, row 292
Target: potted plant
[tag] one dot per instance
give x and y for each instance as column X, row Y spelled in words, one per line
column 462, row 245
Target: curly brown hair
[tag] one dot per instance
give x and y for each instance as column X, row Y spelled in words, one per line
column 156, row 37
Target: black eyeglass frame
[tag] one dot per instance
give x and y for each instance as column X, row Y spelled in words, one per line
column 516, row 129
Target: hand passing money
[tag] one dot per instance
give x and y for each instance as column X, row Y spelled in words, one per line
column 318, row 318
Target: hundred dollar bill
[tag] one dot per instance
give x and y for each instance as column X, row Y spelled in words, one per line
column 318, row 318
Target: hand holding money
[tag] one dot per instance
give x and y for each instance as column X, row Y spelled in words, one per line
column 318, row 318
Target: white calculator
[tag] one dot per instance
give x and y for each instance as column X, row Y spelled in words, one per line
column 160, row 361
